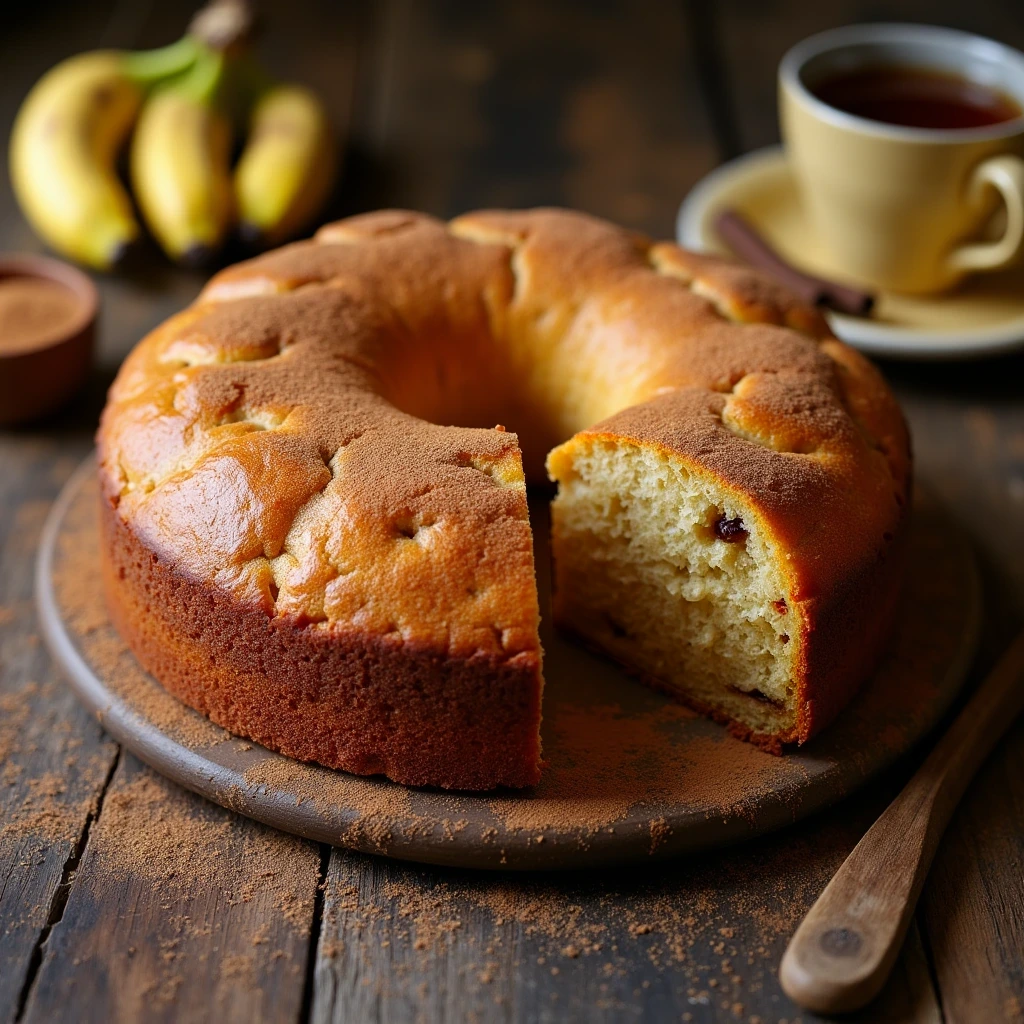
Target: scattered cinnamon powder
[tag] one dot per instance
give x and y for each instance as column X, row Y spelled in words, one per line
column 35, row 311
column 43, row 812
column 428, row 912
column 660, row 831
column 48, row 803
column 716, row 925
column 377, row 806
column 15, row 709
column 155, row 846
column 51, row 770
column 605, row 760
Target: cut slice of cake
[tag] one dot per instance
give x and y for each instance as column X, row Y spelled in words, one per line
column 686, row 572
column 675, row 578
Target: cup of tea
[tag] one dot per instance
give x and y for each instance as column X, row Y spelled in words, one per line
column 907, row 142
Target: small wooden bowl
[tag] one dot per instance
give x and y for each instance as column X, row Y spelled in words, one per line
column 38, row 379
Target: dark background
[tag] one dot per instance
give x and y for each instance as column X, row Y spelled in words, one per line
column 616, row 108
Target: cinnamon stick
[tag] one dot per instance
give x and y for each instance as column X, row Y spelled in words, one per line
column 746, row 243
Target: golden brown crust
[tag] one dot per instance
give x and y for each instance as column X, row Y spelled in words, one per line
column 363, row 702
column 272, row 448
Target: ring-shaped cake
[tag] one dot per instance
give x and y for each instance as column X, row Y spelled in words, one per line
column 313, row 534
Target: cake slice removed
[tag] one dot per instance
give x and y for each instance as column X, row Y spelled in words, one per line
column 672, row 574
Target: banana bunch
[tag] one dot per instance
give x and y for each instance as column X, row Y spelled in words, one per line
column 186, row 103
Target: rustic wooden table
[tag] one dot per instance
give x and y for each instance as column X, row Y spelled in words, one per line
column 124, row 898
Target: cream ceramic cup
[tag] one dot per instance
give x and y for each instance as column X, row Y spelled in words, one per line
column 906, row 209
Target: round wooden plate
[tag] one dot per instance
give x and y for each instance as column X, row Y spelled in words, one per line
column 631, row 775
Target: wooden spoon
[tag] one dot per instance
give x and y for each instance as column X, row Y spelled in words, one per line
column 845, row 947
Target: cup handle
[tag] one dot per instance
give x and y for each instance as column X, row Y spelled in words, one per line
column 1006, row 174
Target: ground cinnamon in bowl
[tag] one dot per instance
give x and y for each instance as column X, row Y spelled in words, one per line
column 47, row 329
column 35, row 311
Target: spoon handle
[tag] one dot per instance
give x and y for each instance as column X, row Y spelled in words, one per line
column 845, row 947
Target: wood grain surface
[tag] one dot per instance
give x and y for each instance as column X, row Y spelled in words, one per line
column 180, row 911
column 617, row 108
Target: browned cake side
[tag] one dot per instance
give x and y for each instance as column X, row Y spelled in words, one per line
column 293, row 547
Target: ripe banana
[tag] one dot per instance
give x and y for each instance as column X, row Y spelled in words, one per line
column 287, row 167
column 65, row 142
column 70, row 130
column 180, row 164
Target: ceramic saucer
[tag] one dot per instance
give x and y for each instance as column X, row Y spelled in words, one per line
column 982, row 317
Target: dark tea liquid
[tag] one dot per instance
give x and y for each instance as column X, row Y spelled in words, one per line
column 917, row 98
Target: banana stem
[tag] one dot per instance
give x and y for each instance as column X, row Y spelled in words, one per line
column 148, row 67
column 204, row 80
